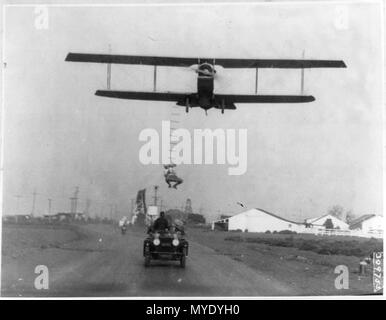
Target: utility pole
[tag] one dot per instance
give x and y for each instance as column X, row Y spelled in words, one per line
column 111, row 211
column 18, row 196
column 74, row 200
column 132, row 205
column 155, row 195
column 34, row 194
column 101, row 212
column 49, row 206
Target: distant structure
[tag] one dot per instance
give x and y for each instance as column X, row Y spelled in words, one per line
column 188, row 207
column 34, row 194
column 74, row 201
column 369, row 223
column 87, row 208
column 140, row 208
column 155, row 197
column 328, row 220
column 258, row 220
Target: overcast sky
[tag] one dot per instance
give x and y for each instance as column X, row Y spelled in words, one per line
column 302, row 158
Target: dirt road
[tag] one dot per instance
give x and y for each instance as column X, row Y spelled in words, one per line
column 102, row 262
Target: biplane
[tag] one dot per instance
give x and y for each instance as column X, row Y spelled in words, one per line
column 205, row 97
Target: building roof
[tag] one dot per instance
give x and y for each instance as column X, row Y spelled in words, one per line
column 262, row 210
column 312, row 220
column 258, row 209
column 357, row 223
column 276, row 216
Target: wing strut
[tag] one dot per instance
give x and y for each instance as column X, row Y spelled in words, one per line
column 155, row 78
column 302, row 77
column 109, row 72
column 256, row 80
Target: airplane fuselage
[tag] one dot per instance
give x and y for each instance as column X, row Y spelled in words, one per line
column 205, row 92
column 205, row 86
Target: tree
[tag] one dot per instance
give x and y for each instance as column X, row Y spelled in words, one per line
column 336, row 211
column 349, row 216
column 339, row 212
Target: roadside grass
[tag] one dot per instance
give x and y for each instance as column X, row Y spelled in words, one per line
column 283, row 257
column 321, row 245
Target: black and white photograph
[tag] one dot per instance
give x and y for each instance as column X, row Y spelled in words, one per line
column 192, row 150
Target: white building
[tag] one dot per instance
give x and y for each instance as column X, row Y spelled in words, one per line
column 321, row 221
column 259, row 220
column 368, row 223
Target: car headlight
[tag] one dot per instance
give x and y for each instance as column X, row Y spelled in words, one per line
column 175, row 242
column 156, row 242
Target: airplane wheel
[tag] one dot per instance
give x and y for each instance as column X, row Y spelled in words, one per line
column 222, row 111
column 187, row 109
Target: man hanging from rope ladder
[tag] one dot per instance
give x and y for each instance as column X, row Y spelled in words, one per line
column 170, row 176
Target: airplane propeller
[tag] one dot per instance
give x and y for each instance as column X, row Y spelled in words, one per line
column 204, row 72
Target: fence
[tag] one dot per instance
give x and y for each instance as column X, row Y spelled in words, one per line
column 350, row 233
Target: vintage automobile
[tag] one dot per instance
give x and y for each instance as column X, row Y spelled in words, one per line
column 167, row 245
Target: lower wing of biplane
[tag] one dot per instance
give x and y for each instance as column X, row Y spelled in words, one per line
column 219, row 101
column 204, row 97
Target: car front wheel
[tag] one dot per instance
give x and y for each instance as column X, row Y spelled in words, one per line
column 147, row 261
column 183, row 259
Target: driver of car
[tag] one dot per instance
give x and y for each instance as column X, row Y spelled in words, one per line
column 161, row 224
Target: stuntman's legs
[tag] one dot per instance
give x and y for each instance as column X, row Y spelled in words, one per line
column 179, row 181
column 173, row 178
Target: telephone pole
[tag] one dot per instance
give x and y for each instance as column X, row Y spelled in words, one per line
column 132, row 206
column 74, row 200
column 111, row 211
column 18, row 196
column 155, row 195
column 49, row 206
column 34, row 194
column 87, row 208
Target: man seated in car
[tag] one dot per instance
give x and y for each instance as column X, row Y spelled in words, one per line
column 179, row 226
column 161, row 224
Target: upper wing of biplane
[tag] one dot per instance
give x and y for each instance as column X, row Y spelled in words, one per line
column 186, row 62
